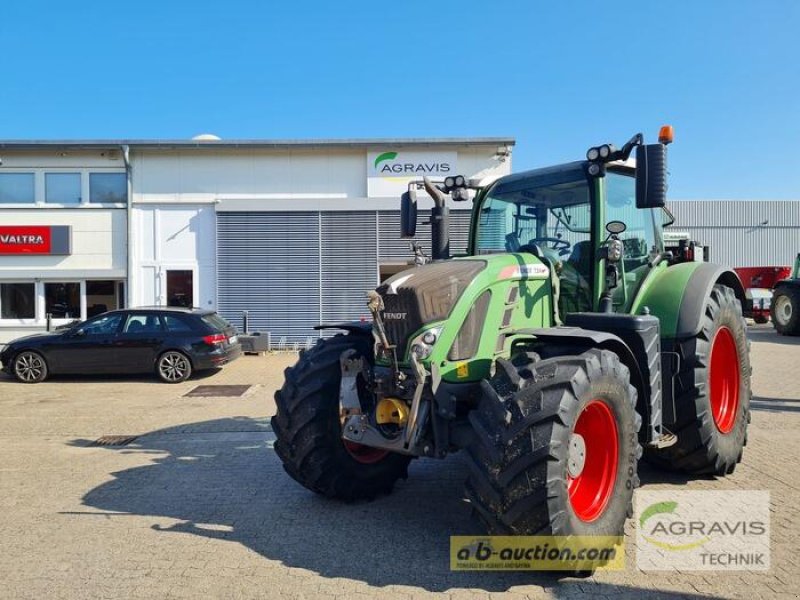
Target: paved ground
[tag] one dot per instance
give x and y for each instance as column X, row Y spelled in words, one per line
column 199, row 506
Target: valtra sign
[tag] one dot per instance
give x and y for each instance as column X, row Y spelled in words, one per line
column 35, row 239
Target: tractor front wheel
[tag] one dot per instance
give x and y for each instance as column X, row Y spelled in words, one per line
column 785, row 309
column 712, row 392
column 556, row 446
column 308, row 429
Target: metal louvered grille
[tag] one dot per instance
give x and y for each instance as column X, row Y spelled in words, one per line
column 294, row 270
column 349, row 264
column 268, row 264
column 393, row 248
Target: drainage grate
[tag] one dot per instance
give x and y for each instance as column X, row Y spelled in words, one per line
column 114, row 440
column 212, row 391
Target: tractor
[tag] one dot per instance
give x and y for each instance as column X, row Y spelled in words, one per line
column 565, row 346
column 785, row 306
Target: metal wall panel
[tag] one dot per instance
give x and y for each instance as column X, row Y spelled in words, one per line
column 393, row 248
column 349, row 264
column 268, row 264
column 742, row 233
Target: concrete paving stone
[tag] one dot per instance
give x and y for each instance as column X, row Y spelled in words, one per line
column 199, row 505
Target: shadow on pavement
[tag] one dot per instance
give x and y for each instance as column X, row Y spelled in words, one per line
column 768, row 335
column 113, row 378
column 220, row 479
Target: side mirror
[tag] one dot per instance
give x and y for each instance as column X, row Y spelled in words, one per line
column 408, row 214
column 651, row 176
column 79, row 333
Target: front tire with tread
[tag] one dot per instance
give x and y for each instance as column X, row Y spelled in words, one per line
column 308, row 430
column 786, row 300
column 518, row 482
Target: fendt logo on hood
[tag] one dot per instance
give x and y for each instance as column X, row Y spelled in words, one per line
column 389, row 164
column 394, row 316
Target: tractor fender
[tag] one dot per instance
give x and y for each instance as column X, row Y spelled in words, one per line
column 678, row 296
column 351, row 327
column 590, row 338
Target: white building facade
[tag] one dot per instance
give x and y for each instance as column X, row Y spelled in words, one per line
column 292, row 232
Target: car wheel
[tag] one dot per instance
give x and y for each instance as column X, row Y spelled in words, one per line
column 29, row 367
column 173, row 367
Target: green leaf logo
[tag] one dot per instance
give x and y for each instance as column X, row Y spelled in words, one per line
column 655, row 509
column 385, row 156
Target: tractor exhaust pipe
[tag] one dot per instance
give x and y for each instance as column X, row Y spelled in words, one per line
column 440, row 222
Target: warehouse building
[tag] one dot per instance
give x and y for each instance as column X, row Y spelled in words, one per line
column 293, row 232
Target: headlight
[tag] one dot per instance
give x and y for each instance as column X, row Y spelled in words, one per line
column 422, row 345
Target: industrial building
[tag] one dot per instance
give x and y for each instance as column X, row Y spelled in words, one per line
column 293, row 232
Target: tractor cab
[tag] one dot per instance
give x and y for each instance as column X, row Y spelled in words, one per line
column 560, row 215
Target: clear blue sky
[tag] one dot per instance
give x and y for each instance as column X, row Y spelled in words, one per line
column 558, row 76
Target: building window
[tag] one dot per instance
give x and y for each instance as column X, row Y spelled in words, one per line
column 62, row 300
column 17, row 188
column 17, row 300
column 108, row 187
column 101, row 296
column 62, row 188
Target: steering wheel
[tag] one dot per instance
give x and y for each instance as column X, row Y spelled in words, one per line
column 561, row 246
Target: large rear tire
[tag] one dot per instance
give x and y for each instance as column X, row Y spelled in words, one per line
column 309, row 435
column 712, row 392
column 530, row 474
column 785, row 310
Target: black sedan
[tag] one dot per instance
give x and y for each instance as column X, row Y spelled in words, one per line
column 173, row 342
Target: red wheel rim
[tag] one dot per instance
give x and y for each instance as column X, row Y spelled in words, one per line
column 723, row 379
column 366, row 455
column 590, row 490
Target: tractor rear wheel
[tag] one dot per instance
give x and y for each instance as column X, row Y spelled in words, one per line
column 785, row 309
column 309, row 434
column 712, row 392
column 556, row 446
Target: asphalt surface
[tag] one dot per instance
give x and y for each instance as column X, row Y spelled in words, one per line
column 198, row 504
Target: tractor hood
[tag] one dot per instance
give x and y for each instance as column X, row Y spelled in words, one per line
column 429, row 294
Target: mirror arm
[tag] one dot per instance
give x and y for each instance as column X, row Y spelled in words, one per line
column 626, row 150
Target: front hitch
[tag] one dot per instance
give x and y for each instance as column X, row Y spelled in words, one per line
column 358, row 427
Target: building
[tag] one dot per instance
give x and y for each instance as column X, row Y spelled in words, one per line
column 293, row 232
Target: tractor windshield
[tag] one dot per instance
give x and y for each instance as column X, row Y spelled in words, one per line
column 547, row 213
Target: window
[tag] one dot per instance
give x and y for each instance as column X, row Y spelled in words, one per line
column 176, row 324
column 550, row 215
column 216, row 322
column 17, row 301
column 641, row 240
column 101, row 296
column 62, row 300
column 142, row 323
column 62, row 188
column 17, row 188
column 108, row 187
column 102, row 325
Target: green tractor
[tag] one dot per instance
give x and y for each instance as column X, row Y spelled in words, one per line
column 562, row 348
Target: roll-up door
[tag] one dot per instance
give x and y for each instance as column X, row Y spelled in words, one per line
column 349, row 264
column 268, row 264
column 393, row 248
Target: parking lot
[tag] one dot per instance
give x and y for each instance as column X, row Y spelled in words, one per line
column 198, row 505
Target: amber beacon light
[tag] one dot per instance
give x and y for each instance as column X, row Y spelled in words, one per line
column 665, row 134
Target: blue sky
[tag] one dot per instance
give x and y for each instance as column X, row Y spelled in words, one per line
column 558, row 76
